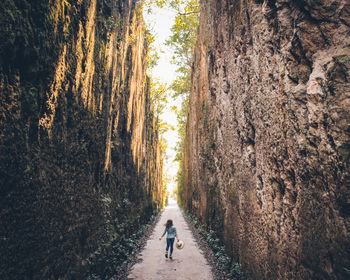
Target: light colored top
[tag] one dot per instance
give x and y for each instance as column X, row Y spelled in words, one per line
column 171, row 231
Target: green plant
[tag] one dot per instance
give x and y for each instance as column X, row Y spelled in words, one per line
column 116, row 245
column 65, row 5
column 112, row 23
column 232, row 268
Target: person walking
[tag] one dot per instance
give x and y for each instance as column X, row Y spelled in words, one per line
column 170, row 230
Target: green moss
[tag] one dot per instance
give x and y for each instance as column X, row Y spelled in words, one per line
column 233, row 269
column 344, row 151
column 343, row 59
column 205, row 115
column 215, row 213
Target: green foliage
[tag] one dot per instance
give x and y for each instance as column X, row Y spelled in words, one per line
column 107, row 260
column 182, row 114
column 111, row 23
column 183, row 41
column 184, row 34
column 65, row 4
column 158, row 96
column 152, row 56
column 232, row 269
column 148, row 4
column 118, row 239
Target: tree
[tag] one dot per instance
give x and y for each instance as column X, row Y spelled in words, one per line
column 183, row 41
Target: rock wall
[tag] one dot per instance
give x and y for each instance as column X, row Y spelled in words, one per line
column 80, row 162
column 266, row 160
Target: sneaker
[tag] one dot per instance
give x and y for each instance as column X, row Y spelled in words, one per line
column 170, row 257
column 166, row 254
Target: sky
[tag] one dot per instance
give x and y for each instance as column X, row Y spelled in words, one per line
column 159, row 21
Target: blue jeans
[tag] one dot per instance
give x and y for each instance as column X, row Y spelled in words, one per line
column 170, row 243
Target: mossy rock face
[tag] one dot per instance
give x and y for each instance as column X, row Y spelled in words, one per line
column 277, row 91
column 215, row 212
column 343, row 59
column 72, row 183
column 344, row 151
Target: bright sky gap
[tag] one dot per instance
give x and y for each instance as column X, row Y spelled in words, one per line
column 159, row 21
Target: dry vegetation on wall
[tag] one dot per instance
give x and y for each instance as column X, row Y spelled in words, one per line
column 266, row 152
column 80, row 159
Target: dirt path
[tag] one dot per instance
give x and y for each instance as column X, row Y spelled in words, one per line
column 187, row 264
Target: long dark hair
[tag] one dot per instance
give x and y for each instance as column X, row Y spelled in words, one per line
column 169, row 223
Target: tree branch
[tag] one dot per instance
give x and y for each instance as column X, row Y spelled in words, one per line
column 188, row 13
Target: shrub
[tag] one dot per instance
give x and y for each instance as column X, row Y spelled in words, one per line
column 232, row 269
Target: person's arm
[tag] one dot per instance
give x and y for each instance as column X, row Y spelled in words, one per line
column 162, row 234
column 177, row 237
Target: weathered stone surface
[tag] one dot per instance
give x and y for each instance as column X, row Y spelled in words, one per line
column 80, row 163
column 266, row 159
